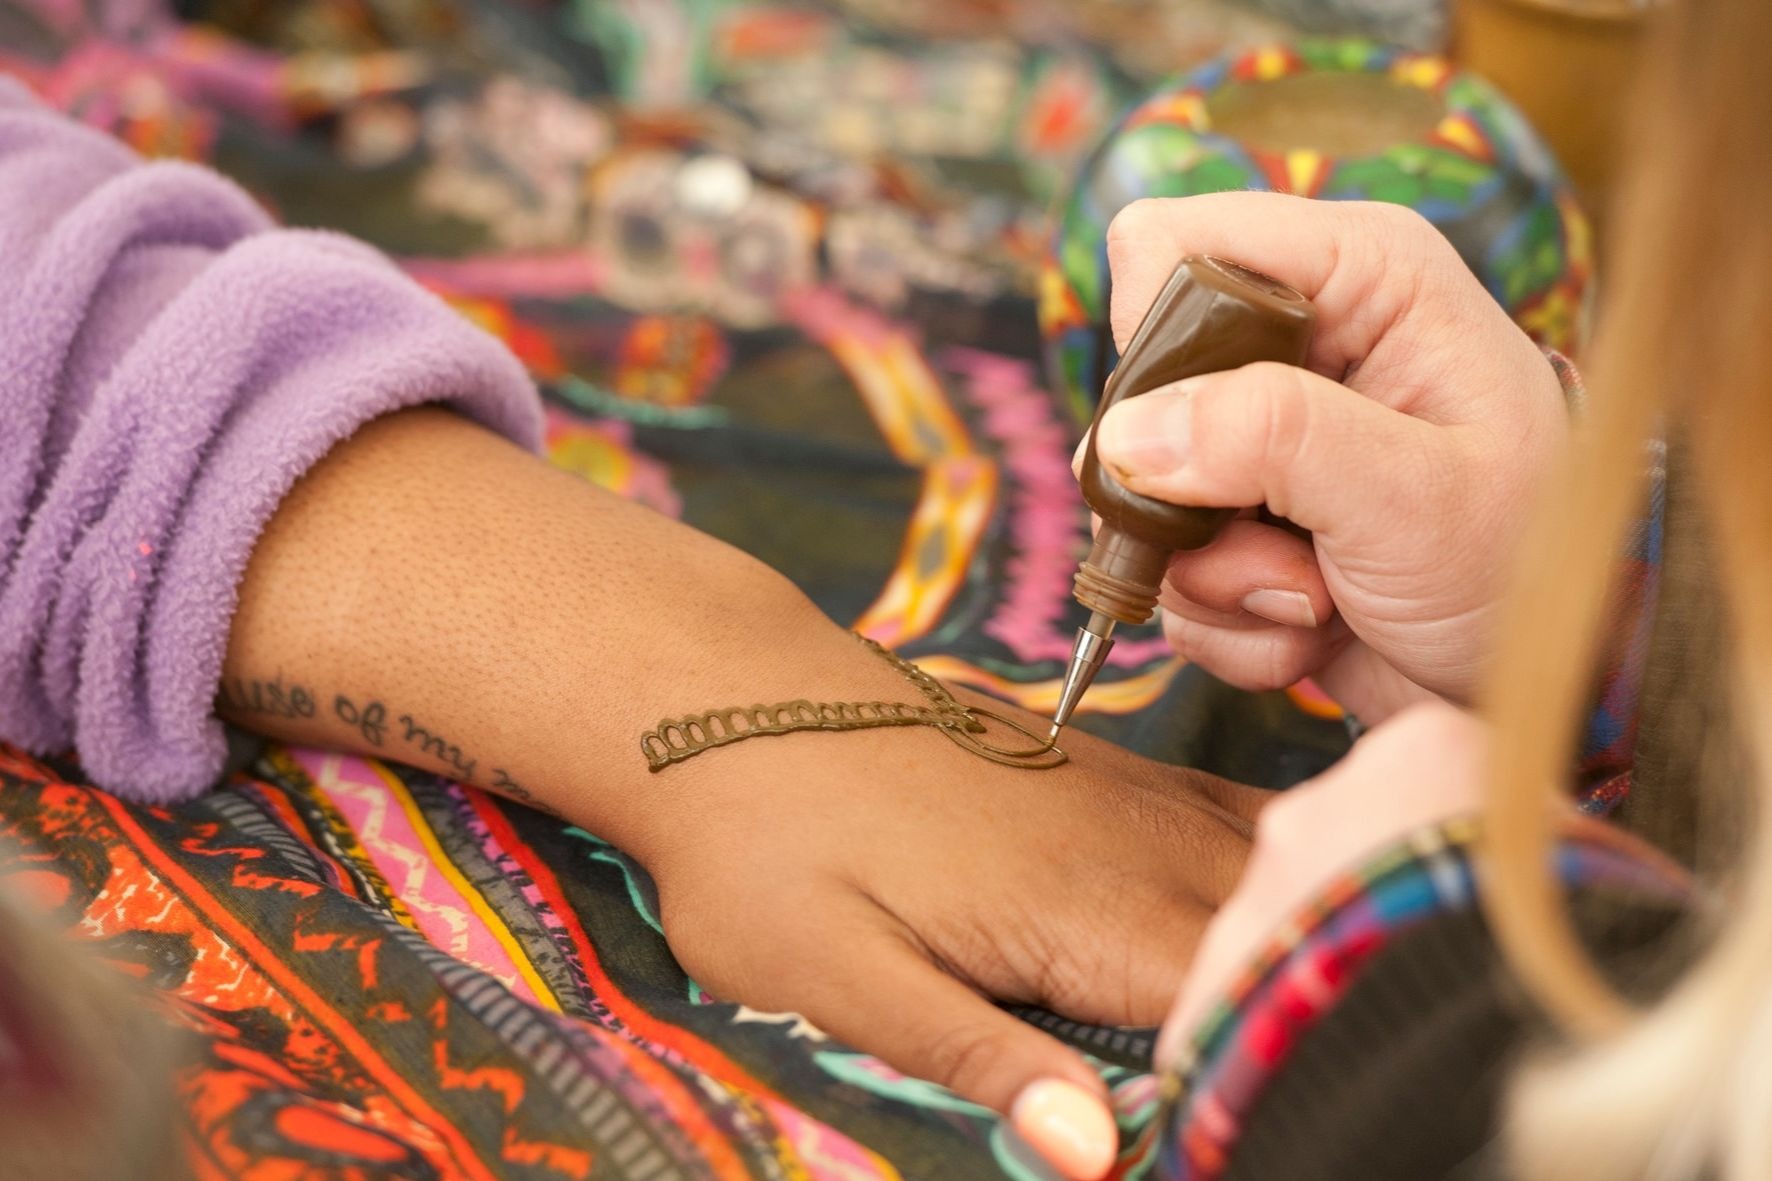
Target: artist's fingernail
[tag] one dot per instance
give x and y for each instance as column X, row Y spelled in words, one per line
column 1292, row 608
column 1069, row 1126
column 1148, row 435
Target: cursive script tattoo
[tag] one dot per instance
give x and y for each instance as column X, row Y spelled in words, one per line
column 505, row 785
column 270, row 698
column 371, row 721
column 437, row 747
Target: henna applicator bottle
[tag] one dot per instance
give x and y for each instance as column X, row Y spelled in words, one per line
column 1212, row 315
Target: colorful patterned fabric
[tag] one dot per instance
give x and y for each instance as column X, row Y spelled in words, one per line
column 1308, row 967
column 1479, row 173
column 386, row 974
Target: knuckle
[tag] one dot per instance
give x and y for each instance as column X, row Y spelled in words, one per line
column 1059, row 984
column 1396, row 240
column 1184, row 635
column 1281, row 418
column 965, row 1057
column 1282, row 664
column 1136, row 221
column 1395, row 220
column 1263, row 674
column 1251, row 677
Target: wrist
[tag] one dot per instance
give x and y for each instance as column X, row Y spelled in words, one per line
column 761, row 643
column 443, row 599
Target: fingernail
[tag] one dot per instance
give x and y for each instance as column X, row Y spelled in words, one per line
column 1069, row 1126
column 1292, row 608
column 1147, row 435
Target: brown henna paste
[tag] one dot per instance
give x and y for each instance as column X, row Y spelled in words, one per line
column 676, row 739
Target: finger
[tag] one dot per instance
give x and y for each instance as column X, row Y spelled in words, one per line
column 1236, row 619
column 1260, row 569
column 880, row 993
column 1144, row 948
column 1221, row 952
column 1380, row 791
column 1361, row 675
column 1366, row 265
column 1310, row 449
column 1257, row 659
column 1419, row 769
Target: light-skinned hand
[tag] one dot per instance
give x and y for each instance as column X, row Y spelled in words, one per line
column 1420, row 768
column 1410, row 447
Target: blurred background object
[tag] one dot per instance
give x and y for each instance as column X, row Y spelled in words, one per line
column 1411, row 24
column 1570, row 66
column 88, row 1060
column 1342, row 119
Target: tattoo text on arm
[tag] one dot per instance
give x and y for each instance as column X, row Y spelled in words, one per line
column 272, row 698
column 437, row 747
column 370, row 719
column 505, row 785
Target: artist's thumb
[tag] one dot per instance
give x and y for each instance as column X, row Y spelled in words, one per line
column 1310, row 449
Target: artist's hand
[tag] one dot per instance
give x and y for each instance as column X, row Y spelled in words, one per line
column 1410, row 448
column 885, row 883
column 1418, row 769
column 1423, row 767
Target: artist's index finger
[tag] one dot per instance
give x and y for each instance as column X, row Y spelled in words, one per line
column 1347, row 257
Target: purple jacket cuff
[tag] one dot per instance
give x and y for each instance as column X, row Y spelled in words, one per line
column 173, row 365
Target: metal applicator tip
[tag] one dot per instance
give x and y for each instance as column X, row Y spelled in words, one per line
column 1094, row 641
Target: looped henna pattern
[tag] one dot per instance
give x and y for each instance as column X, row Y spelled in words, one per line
column 1042, row 755
column 676, row 739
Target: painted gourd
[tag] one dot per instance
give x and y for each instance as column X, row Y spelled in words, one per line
column 1338, row 120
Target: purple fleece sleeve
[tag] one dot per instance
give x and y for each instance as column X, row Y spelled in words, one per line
column 170, row 364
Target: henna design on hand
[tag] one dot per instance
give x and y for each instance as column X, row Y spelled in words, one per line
column 676, row 739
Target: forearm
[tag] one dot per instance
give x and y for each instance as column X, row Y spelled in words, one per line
column 430, row 593
column 173, row 364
